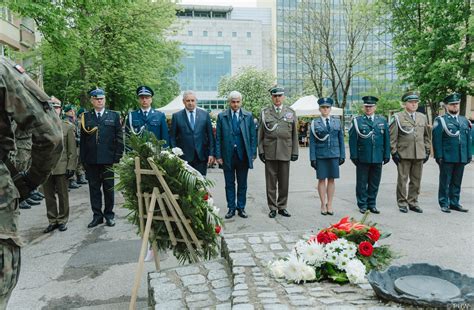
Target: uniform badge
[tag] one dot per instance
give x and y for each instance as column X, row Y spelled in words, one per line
column 20, row 69
column 289, row 116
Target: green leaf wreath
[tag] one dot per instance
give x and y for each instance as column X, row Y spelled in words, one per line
column 191, row 187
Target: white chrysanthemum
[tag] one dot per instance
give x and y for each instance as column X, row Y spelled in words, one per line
column 298, row 248
column 296, row 270
column 355, row 271
column 166, row 154
column 342, row 261
column 313, row 253
column 277, row 268
column 177, row 151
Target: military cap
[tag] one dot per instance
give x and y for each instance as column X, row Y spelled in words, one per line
column 144, row 91
column 370, row 100
column 80, row 111
column 68, row 107
column 409, row 96
column 325, row 102
column 276, row 90
column 453, row 98
column 97, row 93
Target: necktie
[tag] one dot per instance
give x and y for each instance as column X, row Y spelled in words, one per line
column 98, row 116
column 191, row 119
column 278, row 110
column 369, row 118
column 235, row 123
column 413, row 116
column 145, row 113
column 327, row 123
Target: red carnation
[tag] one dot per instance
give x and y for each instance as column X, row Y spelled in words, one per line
column 366, row 248
column 373, row 234
column 326, row 236
column 218, row 229
column 205, row 197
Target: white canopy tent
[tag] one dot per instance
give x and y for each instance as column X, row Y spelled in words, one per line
column 172, row 107
column 308, row 106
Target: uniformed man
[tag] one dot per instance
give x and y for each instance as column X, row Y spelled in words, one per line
column 277, row 145
column 410, row 140
column 452, row 151
column 146, row 118
column 69, row 116
column 57, row 182
column 24, row 102
column 80, row 172
column 101, row 147
column 369, row 145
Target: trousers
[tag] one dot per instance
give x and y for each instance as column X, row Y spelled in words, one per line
column 450, row 179
column 101, row 181
column 277, row 174
column 409, row 169
column 367, row 184
column 10, row 263
column 57, row 211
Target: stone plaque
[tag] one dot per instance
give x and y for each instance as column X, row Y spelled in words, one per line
column 426, row 287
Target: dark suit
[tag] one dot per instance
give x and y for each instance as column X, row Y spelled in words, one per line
column 198, row 144
column 236, row 145
column 154, row 122
column 369, row 148
column 100, row 149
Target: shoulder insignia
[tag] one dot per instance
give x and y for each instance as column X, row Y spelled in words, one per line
column 19, row 69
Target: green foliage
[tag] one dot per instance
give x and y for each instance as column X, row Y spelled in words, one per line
column 433, row 45
column 190, row 188
column 111, row 44
column 253, row 84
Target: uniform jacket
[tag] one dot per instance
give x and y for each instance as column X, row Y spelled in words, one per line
column 452, row 149
column 224, row 139
column 282, row 142
column 68, row 160
column 414, row 141
column 332, row 146
column 25, row 103
column 154, row 122
column 376, row 147
column 200, row 141
column 105, row 145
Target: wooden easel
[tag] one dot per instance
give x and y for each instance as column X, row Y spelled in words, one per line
column 169, row 212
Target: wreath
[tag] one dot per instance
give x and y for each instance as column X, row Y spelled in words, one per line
column 183, row 180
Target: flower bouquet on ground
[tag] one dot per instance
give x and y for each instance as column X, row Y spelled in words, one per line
column 344, row 252
column 183, row 180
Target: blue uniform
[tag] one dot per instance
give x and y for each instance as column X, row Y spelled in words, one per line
column 452, row 150
column 369, row 145
column 154, row 122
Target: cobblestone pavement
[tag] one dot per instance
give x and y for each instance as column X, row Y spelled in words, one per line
column 249, row 285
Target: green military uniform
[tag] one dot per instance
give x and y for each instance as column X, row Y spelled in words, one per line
column 277, row 144
column 22, row 101
column 452, row 141
column 57, row 183
column 80, row 171
column 23, row 145
column 410, row 142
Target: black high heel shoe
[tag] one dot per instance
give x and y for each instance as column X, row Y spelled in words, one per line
column 329, row 212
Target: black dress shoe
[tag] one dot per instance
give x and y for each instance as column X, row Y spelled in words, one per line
column 73, row 185
column 272, row 214
column 81, row 180
column 230, row 214
column 458, row 208
column 363, row 210
column 110, row 222
column 24, row 205
column 374, row 210
column 415, row 209
column 95, row 222
column 62, row 227
column 284, row 213
column 403, row 209
column 242, row 214
column 50, row 228
column 32, row 202
column 445, row 210
column 39, row 194
column 36, row 197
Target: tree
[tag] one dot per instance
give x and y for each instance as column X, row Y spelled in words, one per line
column 113, row 45
column 254, row 86
column 333, row 53
column 433, row 46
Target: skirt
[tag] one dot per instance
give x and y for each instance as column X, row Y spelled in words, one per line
column 328, row 168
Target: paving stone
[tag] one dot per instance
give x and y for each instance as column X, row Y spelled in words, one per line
column 345, row 289
column 257, row 248
column 220, row 283
column 155, row 275
column 226, row 306
column 170, row 305
column 165, row 292
column 222, row 294
column 316, row 289
column 365, row 286
column 193, row 279
column 243, row 307
column 236, row 247
column 184, row 271
column 240, row 293
column 294, row 290
column 241, row 286
column 267, row 295
column 270, row 301
column 196, row 297
column 320, row 294
column 264, row 289
column 328, row 301
column 238, row 270
column 302, row 302
column 276, row 247
column 159, row 281
column 238, row 280
column 234, row 240
column 198, row 288
column 200, row 304
column 244, row 261
column 270, row 239
column 289, row 238
column 265, row 256
column 254, row 240
column 240, row 300
column 240, row 255
column 275, row 307
column 217, row 274
column 213, row 265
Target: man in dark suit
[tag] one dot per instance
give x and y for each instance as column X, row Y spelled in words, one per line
column 236, row 148
column 191, row 131
column 101, row 147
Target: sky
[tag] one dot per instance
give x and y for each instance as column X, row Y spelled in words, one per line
column 234, row 3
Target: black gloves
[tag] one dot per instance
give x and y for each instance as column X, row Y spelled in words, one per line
column 69, row 173
column 396, row 158
column 427, row 157
column 262, row 157
column 355, row 161
column 439, row 161
column 294, row 157
column 341, row 161
column 313, row 164
column 386, row 160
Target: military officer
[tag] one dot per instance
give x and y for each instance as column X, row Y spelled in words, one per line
column 369, row 145
column 101, row 147
column 57, row 182
column 69, row 116
column 80, row 172
column 24, row 102
column 410, row 140
column 146, row 118
column 452, row 142
column 277, row 145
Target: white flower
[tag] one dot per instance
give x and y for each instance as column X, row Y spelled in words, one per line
column 355, row 271
column 313, row 253
column 296, row 270
column 277, row 268
column 177, row 151
column 166, row 154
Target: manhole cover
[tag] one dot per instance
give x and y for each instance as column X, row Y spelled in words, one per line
column 426, row 287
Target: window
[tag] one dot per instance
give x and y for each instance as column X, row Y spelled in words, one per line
column 249, row 52
column 190, row 33
column 6, row 14
column 204, row 33
column 234, row 34
column 219, row 33
column 219, row 15
column 249, row 34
